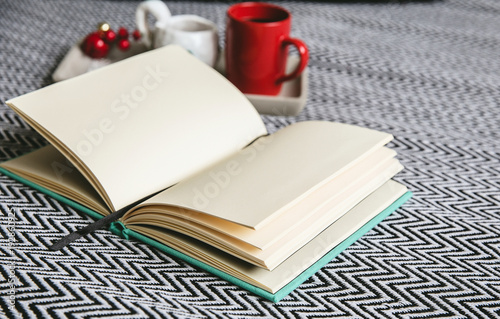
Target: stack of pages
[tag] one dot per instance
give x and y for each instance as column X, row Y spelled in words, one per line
column 163, row 130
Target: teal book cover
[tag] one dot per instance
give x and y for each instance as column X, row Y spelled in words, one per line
column 119, row 229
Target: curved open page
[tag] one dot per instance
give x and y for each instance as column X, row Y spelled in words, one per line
column 143, row 124
column 263, row 180
column 258, row 201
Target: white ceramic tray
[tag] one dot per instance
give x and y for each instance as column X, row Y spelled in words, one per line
column 75, row 62
column 289, row 102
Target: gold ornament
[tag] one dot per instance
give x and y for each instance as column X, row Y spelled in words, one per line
column 103, row 26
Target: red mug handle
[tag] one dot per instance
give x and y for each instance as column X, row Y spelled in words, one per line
column 304, row 58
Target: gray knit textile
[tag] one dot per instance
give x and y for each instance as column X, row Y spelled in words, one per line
column 427, row 72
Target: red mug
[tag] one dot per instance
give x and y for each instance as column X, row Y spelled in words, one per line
column 257, row 40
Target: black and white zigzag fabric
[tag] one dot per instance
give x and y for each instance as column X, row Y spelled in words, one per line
column 428, row 72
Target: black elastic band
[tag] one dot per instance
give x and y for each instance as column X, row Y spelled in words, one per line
column 105, row 221
column 66, row 240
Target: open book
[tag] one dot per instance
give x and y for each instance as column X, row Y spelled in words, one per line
column 210, row 185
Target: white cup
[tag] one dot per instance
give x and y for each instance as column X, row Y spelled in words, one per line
column 194, row 33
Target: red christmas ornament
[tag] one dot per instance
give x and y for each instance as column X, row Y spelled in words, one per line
column 94, row 46
column 136, row 34
column 122, row 33
column 109, row 36
column 97, row 44
column 123, row 44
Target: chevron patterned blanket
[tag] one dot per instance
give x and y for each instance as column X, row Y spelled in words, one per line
column 426, row 71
